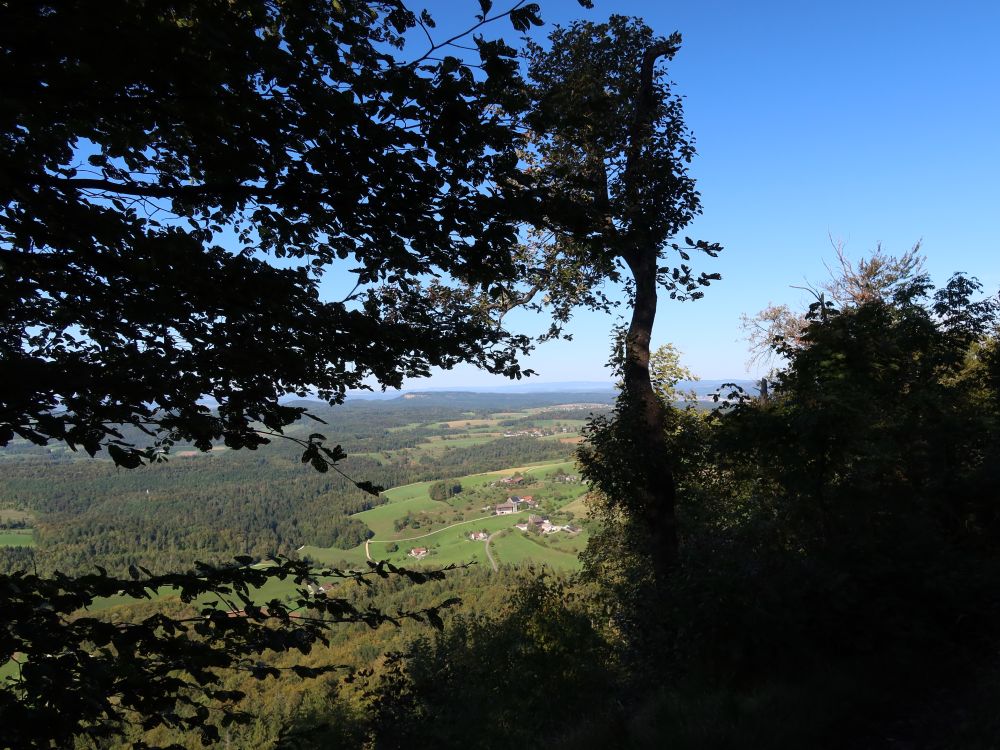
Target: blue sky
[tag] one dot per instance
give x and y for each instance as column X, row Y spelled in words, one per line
column 865, row 121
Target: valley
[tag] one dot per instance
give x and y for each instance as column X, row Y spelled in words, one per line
column 63, row 512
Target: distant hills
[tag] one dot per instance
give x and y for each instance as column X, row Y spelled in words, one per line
column 702, row 389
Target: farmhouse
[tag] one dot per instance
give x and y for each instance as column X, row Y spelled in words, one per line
column 533, row 523
column 505, row 509
column 541, row 525
column 478, row 536
column 418, row 552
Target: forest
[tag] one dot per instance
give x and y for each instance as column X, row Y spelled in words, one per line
column 219, row 220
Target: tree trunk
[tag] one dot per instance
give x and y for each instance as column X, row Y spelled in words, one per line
column 656, row 487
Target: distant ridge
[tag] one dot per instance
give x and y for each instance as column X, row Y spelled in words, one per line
column 526, row 386
column 702, row 388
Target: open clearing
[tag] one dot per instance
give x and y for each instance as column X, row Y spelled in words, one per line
column 517, row 548
column 577, row 507
column 440, row 443
column 471, row 423
column 17, row 538
column 9, row 515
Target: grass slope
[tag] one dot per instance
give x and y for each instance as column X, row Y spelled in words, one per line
column 451, row 544
column 518, row 548
column 17, row 538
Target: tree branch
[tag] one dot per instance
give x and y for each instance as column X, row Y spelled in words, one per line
column 149, row 190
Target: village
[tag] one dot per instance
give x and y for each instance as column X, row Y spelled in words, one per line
column 534, row 524
column 537, row 432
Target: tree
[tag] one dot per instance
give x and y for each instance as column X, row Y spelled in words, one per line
column 612, row 151
column 538, row 644
column 864, row 485
column 873, row 278
column 180, row 177
column 444, row 490
column 885, row 399
column 666, row 371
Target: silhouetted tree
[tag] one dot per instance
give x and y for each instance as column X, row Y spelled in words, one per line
column 612, row 143
column 180, row 177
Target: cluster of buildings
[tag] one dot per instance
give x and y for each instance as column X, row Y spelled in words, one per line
column 513, row 505
column 543, row 526
column 535, row 432
column 566, row 478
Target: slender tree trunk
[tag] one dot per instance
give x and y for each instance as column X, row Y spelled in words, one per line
column 657, row 488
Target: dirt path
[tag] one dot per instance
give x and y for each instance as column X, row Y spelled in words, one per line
column 489, row 555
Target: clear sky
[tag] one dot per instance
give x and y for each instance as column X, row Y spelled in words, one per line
column 870, row 122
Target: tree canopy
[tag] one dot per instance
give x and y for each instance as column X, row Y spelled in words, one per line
column 182, row 184
column 612, row 143
column 180, row 180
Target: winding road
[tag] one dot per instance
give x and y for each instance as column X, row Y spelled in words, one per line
column 432, row 533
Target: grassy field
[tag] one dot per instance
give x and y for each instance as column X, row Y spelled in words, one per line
column 17, row 538
column 409, row 497
column 572, row 424
column 459, row 423
column 352, row 558
column 577, row 507
column 409, row 426
column 12, row 514
column 274, row 588
column 451, row 544
column 439, row 443
column 517, row 548
column 446, row 546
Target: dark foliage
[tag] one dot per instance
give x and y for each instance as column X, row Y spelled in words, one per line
column 444, row 490
column 178, row 177
column 865, row 485
column 81, row 676
column 526, row 675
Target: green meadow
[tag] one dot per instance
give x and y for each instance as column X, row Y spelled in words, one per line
column 451, row 544
column 518, row 548
column 17, row 538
